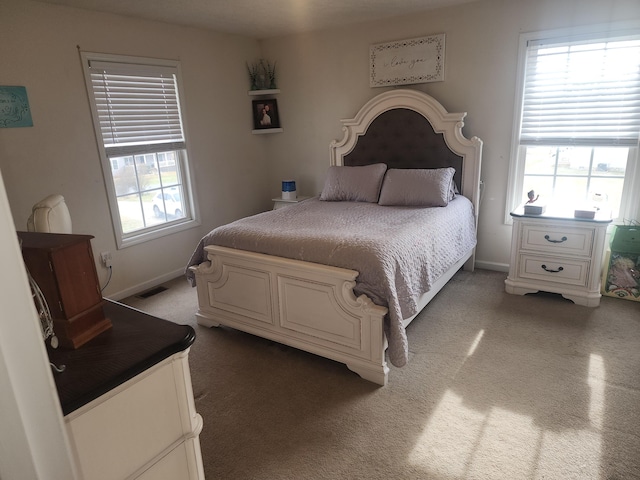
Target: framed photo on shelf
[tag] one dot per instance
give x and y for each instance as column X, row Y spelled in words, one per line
column 265, row 114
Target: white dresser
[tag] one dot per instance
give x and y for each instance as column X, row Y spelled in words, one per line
column 559, row 254
column 128, row 400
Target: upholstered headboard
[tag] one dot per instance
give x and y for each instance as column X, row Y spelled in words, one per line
column 403, row 138
column 410, row 129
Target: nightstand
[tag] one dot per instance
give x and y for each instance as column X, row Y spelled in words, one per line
column 555, row 252
column 281, row 202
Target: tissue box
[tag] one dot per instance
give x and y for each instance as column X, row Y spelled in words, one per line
column 585, row 213
column 534, row 209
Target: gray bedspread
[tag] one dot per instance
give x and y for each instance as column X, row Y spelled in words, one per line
column 398, row 251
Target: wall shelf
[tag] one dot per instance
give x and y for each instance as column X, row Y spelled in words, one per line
column 257, row 93
column 267, row 130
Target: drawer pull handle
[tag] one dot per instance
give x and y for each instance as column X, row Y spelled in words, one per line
column 544, row 267
column 563, row 239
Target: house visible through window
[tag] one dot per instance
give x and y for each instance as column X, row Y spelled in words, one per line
column 137, row 117
column 579, row 122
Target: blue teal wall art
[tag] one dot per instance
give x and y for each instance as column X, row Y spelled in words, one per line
column 14, row 108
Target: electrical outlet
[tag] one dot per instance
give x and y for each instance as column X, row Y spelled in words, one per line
column 106, row 259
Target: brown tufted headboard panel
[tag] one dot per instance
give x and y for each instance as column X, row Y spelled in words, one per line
column 403, row 138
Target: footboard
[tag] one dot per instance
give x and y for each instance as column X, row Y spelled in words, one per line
column 305, row 305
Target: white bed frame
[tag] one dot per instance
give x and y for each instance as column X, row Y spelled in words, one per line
column 311, row 306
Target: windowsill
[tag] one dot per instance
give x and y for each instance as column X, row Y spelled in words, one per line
column 157, row 233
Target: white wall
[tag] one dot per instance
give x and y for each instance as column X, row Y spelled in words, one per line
column 324, row 78
column 59, row 155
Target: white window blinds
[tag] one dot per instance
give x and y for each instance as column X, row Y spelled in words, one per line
column 584, row 92
column 137, row 107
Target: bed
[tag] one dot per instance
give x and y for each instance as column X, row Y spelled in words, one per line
column 349, row 292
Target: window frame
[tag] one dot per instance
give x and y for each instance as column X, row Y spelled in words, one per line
column 192, row 216
column 630, row 202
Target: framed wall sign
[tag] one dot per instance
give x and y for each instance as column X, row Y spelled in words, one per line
column 14, row 108
column 265, row 114
column 403, row 62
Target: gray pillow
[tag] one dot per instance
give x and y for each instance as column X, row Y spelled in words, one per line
column 418, row 187
column 354, row 184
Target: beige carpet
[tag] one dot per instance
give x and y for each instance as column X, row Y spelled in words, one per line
column 498, row 386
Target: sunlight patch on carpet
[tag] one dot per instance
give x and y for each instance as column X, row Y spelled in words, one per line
column 475, row 343
column 570, row 454
column 459, row 441
column 463, row 442
column 596, row 384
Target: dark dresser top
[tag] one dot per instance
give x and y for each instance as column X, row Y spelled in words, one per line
column 50, row 241
column 136, row 342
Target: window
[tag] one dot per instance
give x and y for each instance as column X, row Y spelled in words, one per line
column 578, row 122
column 137, row 117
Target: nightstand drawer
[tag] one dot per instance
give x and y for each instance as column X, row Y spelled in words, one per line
column 554, row 269
column 560, row 240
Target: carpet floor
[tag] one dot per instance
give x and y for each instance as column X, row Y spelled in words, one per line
column 497, row 386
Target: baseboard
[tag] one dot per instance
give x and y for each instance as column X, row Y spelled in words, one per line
column 498, row 267
column 146, row 285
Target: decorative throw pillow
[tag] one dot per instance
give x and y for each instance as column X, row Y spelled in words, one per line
column 418, row 187
column 354, row 184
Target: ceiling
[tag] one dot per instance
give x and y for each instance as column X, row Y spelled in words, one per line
column 263, row 18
